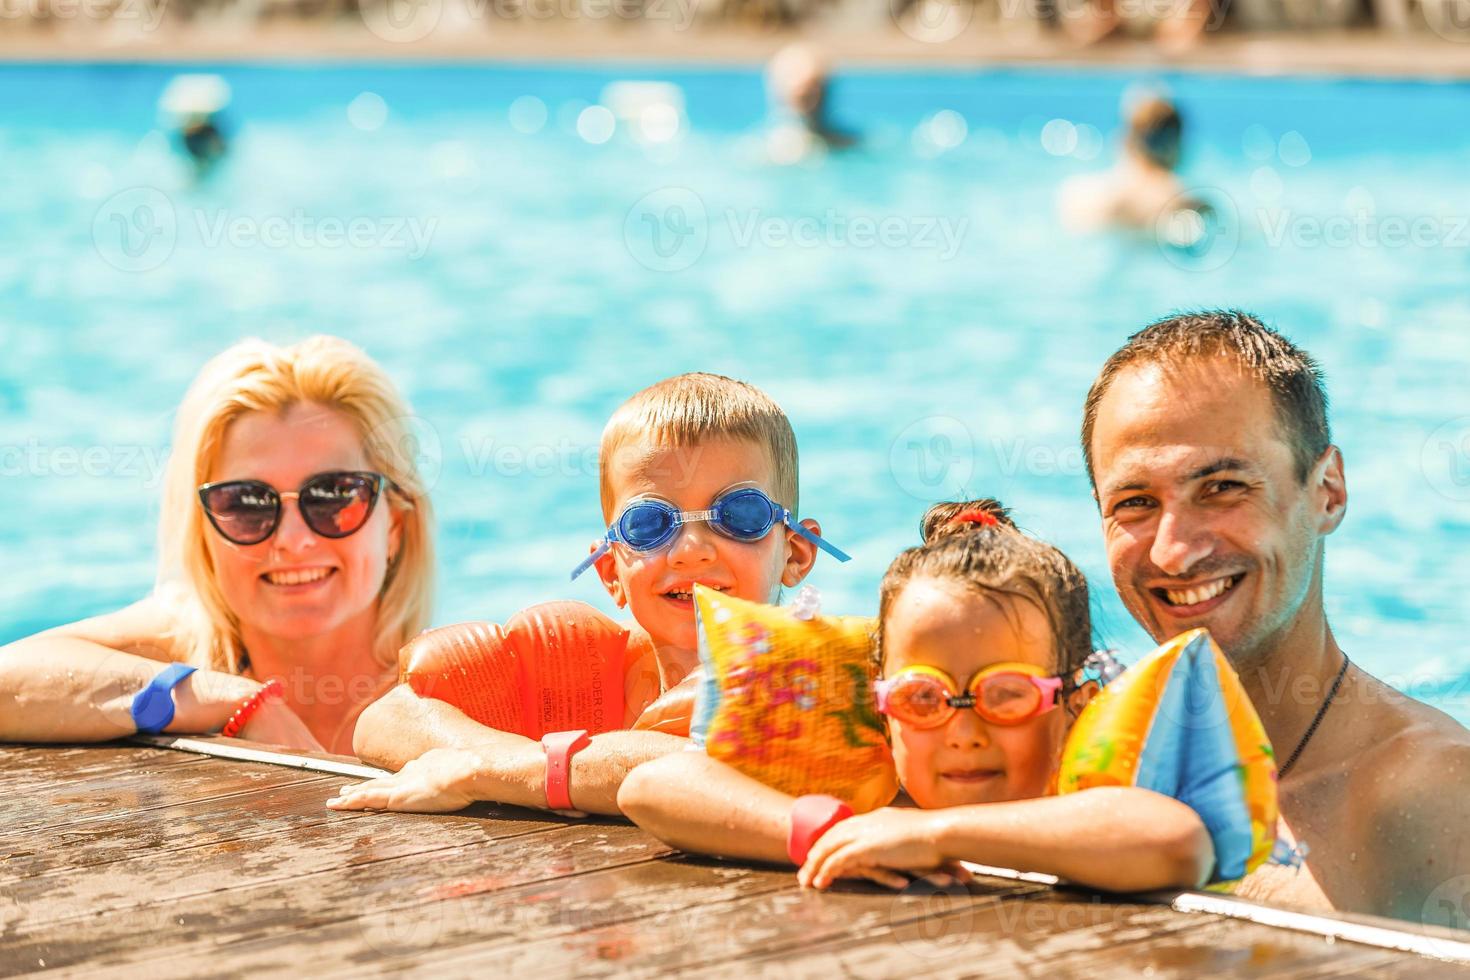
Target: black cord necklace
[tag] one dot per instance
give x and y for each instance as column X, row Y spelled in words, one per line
column 1321, row 713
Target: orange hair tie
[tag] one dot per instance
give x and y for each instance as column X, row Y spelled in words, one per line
column 975, row 516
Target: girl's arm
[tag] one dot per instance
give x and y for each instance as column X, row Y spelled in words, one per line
column 76, row 683
column 1119, row 839
column 447, row 760
column 699, row 804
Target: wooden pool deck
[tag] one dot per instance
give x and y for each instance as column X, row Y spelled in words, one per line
column 130, row 860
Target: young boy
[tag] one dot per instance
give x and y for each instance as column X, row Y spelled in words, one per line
column 699, row 486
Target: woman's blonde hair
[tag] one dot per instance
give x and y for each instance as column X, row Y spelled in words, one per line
column 256, row 376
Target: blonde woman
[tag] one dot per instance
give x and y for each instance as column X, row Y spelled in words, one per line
column 296, row 557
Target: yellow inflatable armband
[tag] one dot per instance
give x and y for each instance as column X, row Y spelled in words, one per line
column 1178, row 722
column 786, row 698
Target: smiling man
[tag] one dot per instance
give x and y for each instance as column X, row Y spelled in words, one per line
column 1207, row 442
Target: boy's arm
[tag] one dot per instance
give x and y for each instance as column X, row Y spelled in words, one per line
column 699, row 804
column 448, row 761
column 1120, row 839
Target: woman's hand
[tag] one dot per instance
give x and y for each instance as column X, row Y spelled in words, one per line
column 276, row 724
column 439, row 781
column 878, row 846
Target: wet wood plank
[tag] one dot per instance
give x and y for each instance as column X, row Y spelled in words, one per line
column 189, row 813
column 24, row 769
column 134, row 861
column 716, row 934
column 36, row 815
column 419, row 884
column 1094, row 936
column 402, row 928
column 343, row 840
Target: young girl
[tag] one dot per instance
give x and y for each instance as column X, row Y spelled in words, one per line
column 983, row 633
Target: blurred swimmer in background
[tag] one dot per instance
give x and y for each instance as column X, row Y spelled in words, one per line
column 193, row 109
column 1142, row 192
column 796, row 81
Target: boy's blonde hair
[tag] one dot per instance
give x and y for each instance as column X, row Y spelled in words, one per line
column 256, row 376
column 690, row 409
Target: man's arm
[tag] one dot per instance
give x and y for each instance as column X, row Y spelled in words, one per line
column 447, row 760
column 1418, row 835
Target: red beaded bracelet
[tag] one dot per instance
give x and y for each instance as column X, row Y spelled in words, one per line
column 272, row 688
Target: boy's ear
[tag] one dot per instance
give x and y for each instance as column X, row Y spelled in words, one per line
column 801, row 554
column 607, row 571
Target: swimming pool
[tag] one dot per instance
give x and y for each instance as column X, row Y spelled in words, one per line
column 521, row 262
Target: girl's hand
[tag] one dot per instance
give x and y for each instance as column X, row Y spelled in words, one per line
column 438, row 781
column 878, row 846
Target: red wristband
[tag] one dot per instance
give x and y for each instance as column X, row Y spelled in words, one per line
column 560, row 747
column 272, row 688
column 811, row 817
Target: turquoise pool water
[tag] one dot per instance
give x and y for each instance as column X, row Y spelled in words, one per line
column 914, row 304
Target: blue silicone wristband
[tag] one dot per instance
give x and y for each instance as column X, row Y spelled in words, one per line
column 153, row 707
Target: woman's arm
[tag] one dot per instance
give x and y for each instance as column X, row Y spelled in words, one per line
column 76, row 683
column 1119, row 839
column 699, row 804
column 447, row 760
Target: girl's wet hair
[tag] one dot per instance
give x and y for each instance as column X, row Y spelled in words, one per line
column 975, row 544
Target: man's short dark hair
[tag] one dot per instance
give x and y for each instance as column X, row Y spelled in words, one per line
column 1290, row 374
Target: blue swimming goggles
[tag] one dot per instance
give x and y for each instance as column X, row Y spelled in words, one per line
column 745, row 514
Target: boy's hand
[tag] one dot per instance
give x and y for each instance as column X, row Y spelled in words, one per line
column 439, row 781
column 878, row 846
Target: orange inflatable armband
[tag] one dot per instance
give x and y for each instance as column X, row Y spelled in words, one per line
column 554, row 667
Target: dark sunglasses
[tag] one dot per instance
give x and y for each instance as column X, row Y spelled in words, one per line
column 333, row 505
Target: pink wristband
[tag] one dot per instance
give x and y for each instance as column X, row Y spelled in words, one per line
column 560, row 747
column 811, row 817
